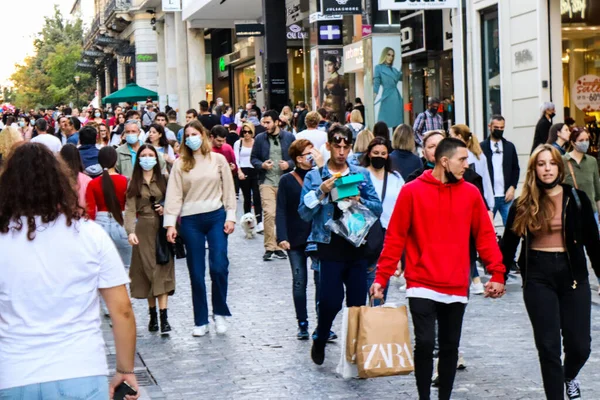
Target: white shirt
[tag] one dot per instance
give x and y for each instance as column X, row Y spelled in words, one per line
column 170, row 151
column 394, row 185
column 50, row 141
column 317, row 138
column 497, row 162
column 242, row 155
column 49, row 301
column 481, row 167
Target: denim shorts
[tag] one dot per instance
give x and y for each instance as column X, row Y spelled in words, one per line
column 87, row 388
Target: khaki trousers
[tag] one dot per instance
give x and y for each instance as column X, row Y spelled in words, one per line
column 268, row 196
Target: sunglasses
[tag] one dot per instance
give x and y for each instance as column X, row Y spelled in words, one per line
column 339, row 138
column 246, row 131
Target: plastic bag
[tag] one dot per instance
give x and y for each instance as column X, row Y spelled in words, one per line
column 354, row 224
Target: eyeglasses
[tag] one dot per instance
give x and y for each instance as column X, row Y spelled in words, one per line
column 306, row 154
column 246, row 131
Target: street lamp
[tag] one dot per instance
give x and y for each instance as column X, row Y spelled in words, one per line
column 77, row 78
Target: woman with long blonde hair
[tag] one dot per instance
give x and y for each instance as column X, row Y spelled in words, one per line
column 201, row 190
column 555, row 223
column 8, row 137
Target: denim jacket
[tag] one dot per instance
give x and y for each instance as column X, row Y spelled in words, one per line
column 323, row 211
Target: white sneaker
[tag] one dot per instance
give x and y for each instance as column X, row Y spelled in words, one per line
column 220, row 324
column 200, row 330
column 461, row 363
column 477, row 288
column 260, row 227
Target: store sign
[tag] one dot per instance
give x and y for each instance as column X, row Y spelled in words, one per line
column 296, row 32
column 367, row 30
column 586, row 93
column 417, row 4
column 141, row 58
column 296, row 10
column 354, row 58
column 171, row 5
column 573, row 8
column 330, row 33
column 412, row 34
column 343, row 7
column 222, row 64
column 249, row 30
column 315, row 17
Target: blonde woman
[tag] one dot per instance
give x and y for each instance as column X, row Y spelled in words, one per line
column 201, row 190
column 356, row 123
column 247, row 175
column 555, row 223
column 363, row 139
column 477, row 160
column 403, row 158
column 286, row 117
column 8, row 137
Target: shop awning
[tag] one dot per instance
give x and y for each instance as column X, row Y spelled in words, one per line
column 130, row 93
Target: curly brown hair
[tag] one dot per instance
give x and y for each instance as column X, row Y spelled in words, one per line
column 46, row 191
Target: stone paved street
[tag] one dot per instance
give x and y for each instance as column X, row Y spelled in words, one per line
column 260, row 358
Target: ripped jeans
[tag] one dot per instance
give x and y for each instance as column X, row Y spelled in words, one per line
column 299, row 265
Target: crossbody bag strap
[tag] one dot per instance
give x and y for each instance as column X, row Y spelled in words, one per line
column 298, row 179
column 572, row 173
column 577, row 199
column 385, row 182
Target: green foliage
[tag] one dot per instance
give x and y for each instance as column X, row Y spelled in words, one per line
column 48, row 77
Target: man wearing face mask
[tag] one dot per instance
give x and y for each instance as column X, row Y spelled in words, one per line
column 503, row 164
column 429, row 120
column 542, row 129
column 437, row 248
column 127, row 152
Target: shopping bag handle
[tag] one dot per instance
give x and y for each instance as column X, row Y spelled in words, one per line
column 372, row 301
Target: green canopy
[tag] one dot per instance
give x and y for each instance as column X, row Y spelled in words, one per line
column 130, row 93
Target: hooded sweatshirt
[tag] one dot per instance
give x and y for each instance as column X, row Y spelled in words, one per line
column 433, row 222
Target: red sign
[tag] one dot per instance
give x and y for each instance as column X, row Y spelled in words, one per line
column 367, row 30
column 586, row 93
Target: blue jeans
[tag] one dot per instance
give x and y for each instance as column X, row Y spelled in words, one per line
column 371, row 272
column 195, row 231
column 298, row 262
column 117, row 234
column 334, row 275
column 502, row 206
column 87, row 388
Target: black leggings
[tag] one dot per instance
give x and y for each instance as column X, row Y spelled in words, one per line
column 251, row 193
column 554, row 306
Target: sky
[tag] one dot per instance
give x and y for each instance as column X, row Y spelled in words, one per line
column 21, row 20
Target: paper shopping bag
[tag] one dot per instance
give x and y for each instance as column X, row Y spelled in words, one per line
column 384, row 347
column 352, row 334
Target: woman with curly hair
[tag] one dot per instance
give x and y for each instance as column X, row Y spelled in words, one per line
column 555, row 223
column 55, row 265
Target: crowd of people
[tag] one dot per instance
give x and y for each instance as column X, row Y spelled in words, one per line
column 90, row 204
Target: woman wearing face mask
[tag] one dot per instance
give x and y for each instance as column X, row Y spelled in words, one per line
column 227, row 117
column 201, row 190
column 559, row 137
column 247, row 174
column 542, row 129
column 292, row 231
column 555, row 223
column 116, row 136
column 105, row 199
column 581, row 169
column 158, row 139
column 99, row 117
column 25, row 128
column 387, row 184
column 143, row 216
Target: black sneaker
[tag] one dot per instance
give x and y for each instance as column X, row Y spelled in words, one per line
column 303, row 331
column 573, row 389
column 317, row 353
column 332, row 336
column 268, row 256
column 280, row 255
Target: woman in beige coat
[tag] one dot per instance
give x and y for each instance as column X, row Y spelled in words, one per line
column 143, row 218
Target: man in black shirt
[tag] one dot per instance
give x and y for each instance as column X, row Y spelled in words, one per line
column 207, row 119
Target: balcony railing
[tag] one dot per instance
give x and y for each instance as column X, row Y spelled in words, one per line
column 94, row 28
column 115, row 6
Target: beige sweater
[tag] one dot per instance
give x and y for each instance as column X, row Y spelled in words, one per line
column 207, row 187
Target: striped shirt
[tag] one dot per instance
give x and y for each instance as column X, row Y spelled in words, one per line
column 426, row 122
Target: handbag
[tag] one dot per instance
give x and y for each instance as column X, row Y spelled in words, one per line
column 178, row 248
column 376, row 235
column 163, row 250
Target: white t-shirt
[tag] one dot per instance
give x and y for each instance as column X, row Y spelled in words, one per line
column 50, row 141
column 49, row 301
column 242, row 156
column 497, row 163
column 317, row 138
column 394, row 185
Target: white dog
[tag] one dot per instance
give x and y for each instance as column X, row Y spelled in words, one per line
column 248, row 223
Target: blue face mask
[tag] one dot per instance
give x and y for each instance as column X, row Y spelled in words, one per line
column 147, row 163
column 97, row 115
column 311, row 160
column 193, row 142
column 132, row 138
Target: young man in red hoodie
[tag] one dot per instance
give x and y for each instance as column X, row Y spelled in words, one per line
column 433, row 221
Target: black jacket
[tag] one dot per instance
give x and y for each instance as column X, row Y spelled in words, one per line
column 510, row 163
column 542, row 130
column 289, row 226
column 301, row 125
column 262, row 148
column 579, row 230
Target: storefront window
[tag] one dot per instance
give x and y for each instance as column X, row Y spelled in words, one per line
column 491, row 64
column 246, row 83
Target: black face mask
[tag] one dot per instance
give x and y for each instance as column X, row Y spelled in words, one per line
column 497, row 133
column 450, row 176
column 547, row 186
column 378, row 162
column 552, row 115
column 433, row 110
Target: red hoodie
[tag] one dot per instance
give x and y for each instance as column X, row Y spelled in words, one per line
column 434, row 223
